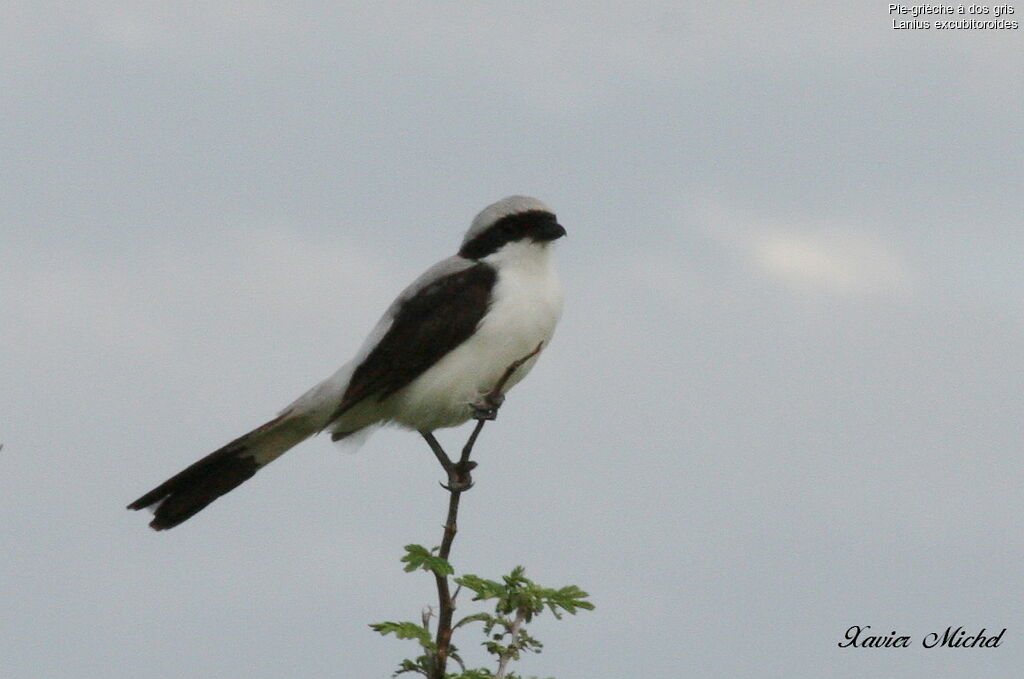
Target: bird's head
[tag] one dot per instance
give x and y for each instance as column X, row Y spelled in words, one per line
column 515, row 224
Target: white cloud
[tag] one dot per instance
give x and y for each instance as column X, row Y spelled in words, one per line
column 822, row 255
column 843, row 263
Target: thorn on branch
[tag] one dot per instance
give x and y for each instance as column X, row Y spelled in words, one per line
column 459, row 478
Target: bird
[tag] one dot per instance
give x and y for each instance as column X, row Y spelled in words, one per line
column 430, row 362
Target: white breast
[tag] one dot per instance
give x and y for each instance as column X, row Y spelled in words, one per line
column 526, row 303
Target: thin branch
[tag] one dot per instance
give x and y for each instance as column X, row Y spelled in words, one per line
column 514, row 631
column 435, row 446
column 445, row 600
column 459, row 480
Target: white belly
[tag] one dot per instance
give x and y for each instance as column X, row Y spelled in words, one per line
column 525, row 307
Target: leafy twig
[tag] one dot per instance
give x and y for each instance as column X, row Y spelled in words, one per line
column 507, row 655
column 459, row 480
column 516, row 598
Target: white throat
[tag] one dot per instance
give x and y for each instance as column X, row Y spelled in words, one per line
column 524, row 255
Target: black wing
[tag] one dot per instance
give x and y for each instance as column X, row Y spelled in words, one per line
column 428, row 325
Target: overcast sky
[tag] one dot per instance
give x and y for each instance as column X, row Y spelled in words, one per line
column 785, row 397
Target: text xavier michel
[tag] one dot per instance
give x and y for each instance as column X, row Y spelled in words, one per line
column 858, row 636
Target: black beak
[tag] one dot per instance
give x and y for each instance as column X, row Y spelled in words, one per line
column 548, row 231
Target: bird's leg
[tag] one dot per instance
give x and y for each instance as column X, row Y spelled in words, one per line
column 458, row 472
column 486, row 407
column 439, row 453
column 459, row 477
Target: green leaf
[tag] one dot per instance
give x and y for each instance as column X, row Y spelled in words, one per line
column 483, row 588
column 569, row 599
column 476, row 617
column 405, row 630
column 481, row 673
column 419, row 557
column 418, row 667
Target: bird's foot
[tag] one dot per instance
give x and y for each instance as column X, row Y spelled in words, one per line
column 459, row 477
column 486, row 408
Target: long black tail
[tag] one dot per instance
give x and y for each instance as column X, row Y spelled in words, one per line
column 186, row 493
